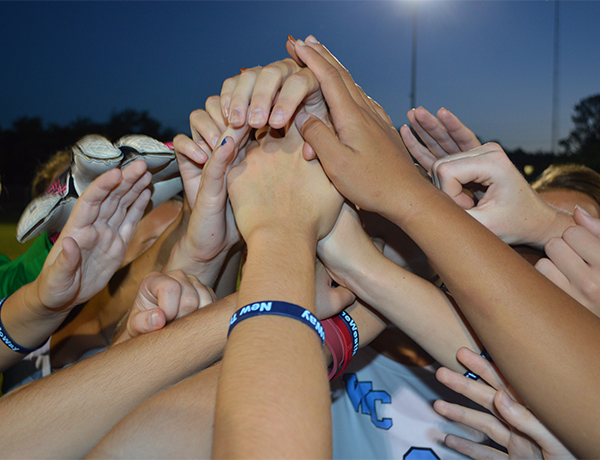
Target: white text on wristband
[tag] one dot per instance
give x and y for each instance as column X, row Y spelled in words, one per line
column 273, row 307
column 353, row 330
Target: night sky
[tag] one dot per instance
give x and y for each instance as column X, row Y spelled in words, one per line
column 490, row 62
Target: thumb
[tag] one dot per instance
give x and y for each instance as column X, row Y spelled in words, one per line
column 60, row 280
column 211, row 181
column 583, row 218
column 69, row 257
column 142, row 322
column 322, row 141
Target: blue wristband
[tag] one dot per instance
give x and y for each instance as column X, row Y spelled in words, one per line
column 352, row 328
column 271, row 307
column 5, row 338
column 471, row 375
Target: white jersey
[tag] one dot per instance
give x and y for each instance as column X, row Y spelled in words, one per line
column 382, row 409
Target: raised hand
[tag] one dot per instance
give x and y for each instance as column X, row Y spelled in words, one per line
column 271, row 95
column 510, row 424
column 367, row 157
column 162, row 298
column 510, row 208
column 211, row 231
column 209, row 129
column 275, row 188
column 443, row 136
column 94, row 240
column 573, row 262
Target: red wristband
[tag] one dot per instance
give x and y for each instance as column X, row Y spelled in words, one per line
column 335, row 342
column 348, row 344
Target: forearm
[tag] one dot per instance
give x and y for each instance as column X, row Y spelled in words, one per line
column 416, row 306
column 282, row 354
column 513, row 309
column 101, row 390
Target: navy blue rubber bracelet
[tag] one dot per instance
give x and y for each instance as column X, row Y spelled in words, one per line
column 471, row 375
column 486, row 355
column 272, row 307
column 5, row 338
column 352, row 328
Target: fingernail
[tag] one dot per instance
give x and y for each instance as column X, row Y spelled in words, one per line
column 277, row 116
column 256, row 117
column 200, row 156
column 226, row 112
column 583, row 210
column 236, row 117
column 301, row 119
column 300, row 43
column 243, row 69
column 505, row 399
column 311, row 39
column 224, row 142
column 152, row 320
column 292, row 39
column 214, row 142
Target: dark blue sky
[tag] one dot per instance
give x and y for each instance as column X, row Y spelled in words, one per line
column 488, row 61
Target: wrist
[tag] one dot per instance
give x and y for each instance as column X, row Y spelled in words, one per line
column 557, row 222
column 279, row 266
column 357, row 272
column 410, row 202
column 184, row 256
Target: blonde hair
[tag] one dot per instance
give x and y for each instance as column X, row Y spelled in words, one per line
column 574, row 177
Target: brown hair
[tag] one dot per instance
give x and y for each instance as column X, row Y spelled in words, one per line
column 49, row 171
column 574, row 177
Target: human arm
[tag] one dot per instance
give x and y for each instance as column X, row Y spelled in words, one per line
column 99, row 391
column 86, row 255
column 178, row 422
column 573, row 262
column 274, row 364
column 425, row 313
column 510, row 307
column 509, row 424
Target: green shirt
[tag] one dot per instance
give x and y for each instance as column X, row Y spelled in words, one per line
column 24, row 269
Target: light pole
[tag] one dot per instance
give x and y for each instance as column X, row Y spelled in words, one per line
column 555, row 80
column 413, row 68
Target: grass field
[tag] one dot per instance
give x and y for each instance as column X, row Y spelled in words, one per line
column 9, row 245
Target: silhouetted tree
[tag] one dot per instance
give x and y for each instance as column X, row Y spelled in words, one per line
column 583, row 143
